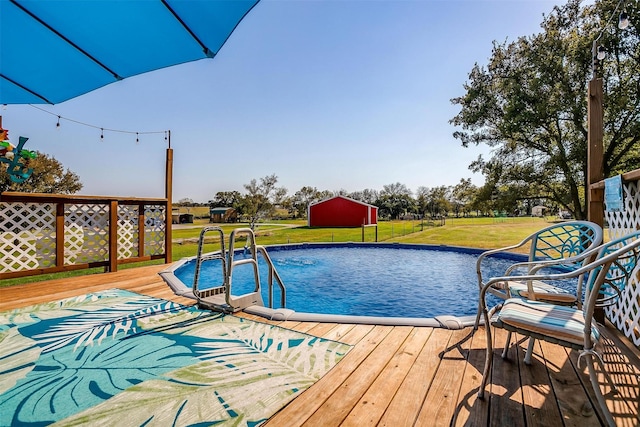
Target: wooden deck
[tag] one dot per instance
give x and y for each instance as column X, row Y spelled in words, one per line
column 406, row 376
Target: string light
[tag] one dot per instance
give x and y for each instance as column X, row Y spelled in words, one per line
column 102, row 129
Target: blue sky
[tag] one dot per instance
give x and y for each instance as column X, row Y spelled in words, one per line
column 333, row 94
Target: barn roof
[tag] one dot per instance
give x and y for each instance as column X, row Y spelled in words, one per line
column 342, row 197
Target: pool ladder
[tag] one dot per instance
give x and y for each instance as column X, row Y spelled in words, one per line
column 221, row 298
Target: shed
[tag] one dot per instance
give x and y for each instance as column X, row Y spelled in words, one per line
column 538, row 210
column 341, row 211
column 222, row 215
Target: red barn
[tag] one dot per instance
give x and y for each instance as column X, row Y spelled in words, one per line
column 340, row 211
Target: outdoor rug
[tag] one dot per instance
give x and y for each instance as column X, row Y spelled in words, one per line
column 119, row 358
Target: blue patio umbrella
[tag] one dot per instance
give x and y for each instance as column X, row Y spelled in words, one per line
column 55, row 50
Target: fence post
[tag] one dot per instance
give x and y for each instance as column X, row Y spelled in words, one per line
column 113, row 235
column 60, row 234
column 141, row 231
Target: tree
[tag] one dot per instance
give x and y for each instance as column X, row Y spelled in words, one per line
column 301, row 200
column 529, row 104
column 395, row 200
column 226, row 199
column 185, row 202
column 438, row 200
column 48, row 176
column 367, row 196
column 422, row 200
column 258, row 203
column 462, row 196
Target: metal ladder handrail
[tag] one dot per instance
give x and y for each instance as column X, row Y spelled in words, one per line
column 253, row 260
column 228, row 264
column 216, row 255
column 273, row 273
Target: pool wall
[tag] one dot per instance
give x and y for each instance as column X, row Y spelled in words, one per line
column 282, row 314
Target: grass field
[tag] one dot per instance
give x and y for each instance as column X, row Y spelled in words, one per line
column 482, row 233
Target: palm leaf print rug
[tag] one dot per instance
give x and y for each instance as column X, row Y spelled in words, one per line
column 119, row 358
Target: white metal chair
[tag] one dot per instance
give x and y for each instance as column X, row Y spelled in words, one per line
column 569, row 326
column 561, row 246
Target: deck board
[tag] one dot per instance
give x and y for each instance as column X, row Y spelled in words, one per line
column 409, row 399
column 540, row 407
column 410, row 376
column 337, row 407
column 441, row 400
column 373, row 403
column 472, row 411
column 573, row 400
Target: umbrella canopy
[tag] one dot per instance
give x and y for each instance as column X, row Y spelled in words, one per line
column 55, row 50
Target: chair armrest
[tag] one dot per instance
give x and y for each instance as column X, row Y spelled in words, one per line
column 483, row 255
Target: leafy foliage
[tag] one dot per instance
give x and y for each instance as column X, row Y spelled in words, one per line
column 260, row 198
column 529, row 104
column 49, row 176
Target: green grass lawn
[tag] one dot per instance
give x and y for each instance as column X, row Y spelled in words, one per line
column 482, row 233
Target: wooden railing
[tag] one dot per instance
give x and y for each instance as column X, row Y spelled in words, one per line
column 49, row 233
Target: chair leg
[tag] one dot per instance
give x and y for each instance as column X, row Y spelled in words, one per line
column 593, row 376
column 505, row 350
column 475, row 325
column 527, row 356
column 488, row 357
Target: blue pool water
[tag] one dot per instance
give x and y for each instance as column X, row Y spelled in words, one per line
column 384, row 280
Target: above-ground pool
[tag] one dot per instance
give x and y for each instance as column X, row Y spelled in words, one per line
column 381, row 280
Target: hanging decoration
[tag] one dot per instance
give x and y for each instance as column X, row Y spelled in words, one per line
column 15, row 158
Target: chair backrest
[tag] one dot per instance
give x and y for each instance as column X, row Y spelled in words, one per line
column 604, row 288
column 564, row 240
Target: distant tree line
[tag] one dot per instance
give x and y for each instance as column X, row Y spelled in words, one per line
column 263, row 198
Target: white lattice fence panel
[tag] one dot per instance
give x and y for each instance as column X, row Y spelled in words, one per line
column 628, row 220
column 155, row 217
column 94, row 221
column 625, row 314
column 27, row 234
column 127, row 231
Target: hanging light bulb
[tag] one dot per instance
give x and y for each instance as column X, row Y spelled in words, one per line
column 623, row 22
column 58, row 124
column 137, row 138
column 101, row 135
column 602, row 53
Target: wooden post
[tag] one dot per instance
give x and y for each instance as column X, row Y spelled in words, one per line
column 113, row 236
column 595, row 153
column 60, row 234
column 168, row 189
column 595, row 167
